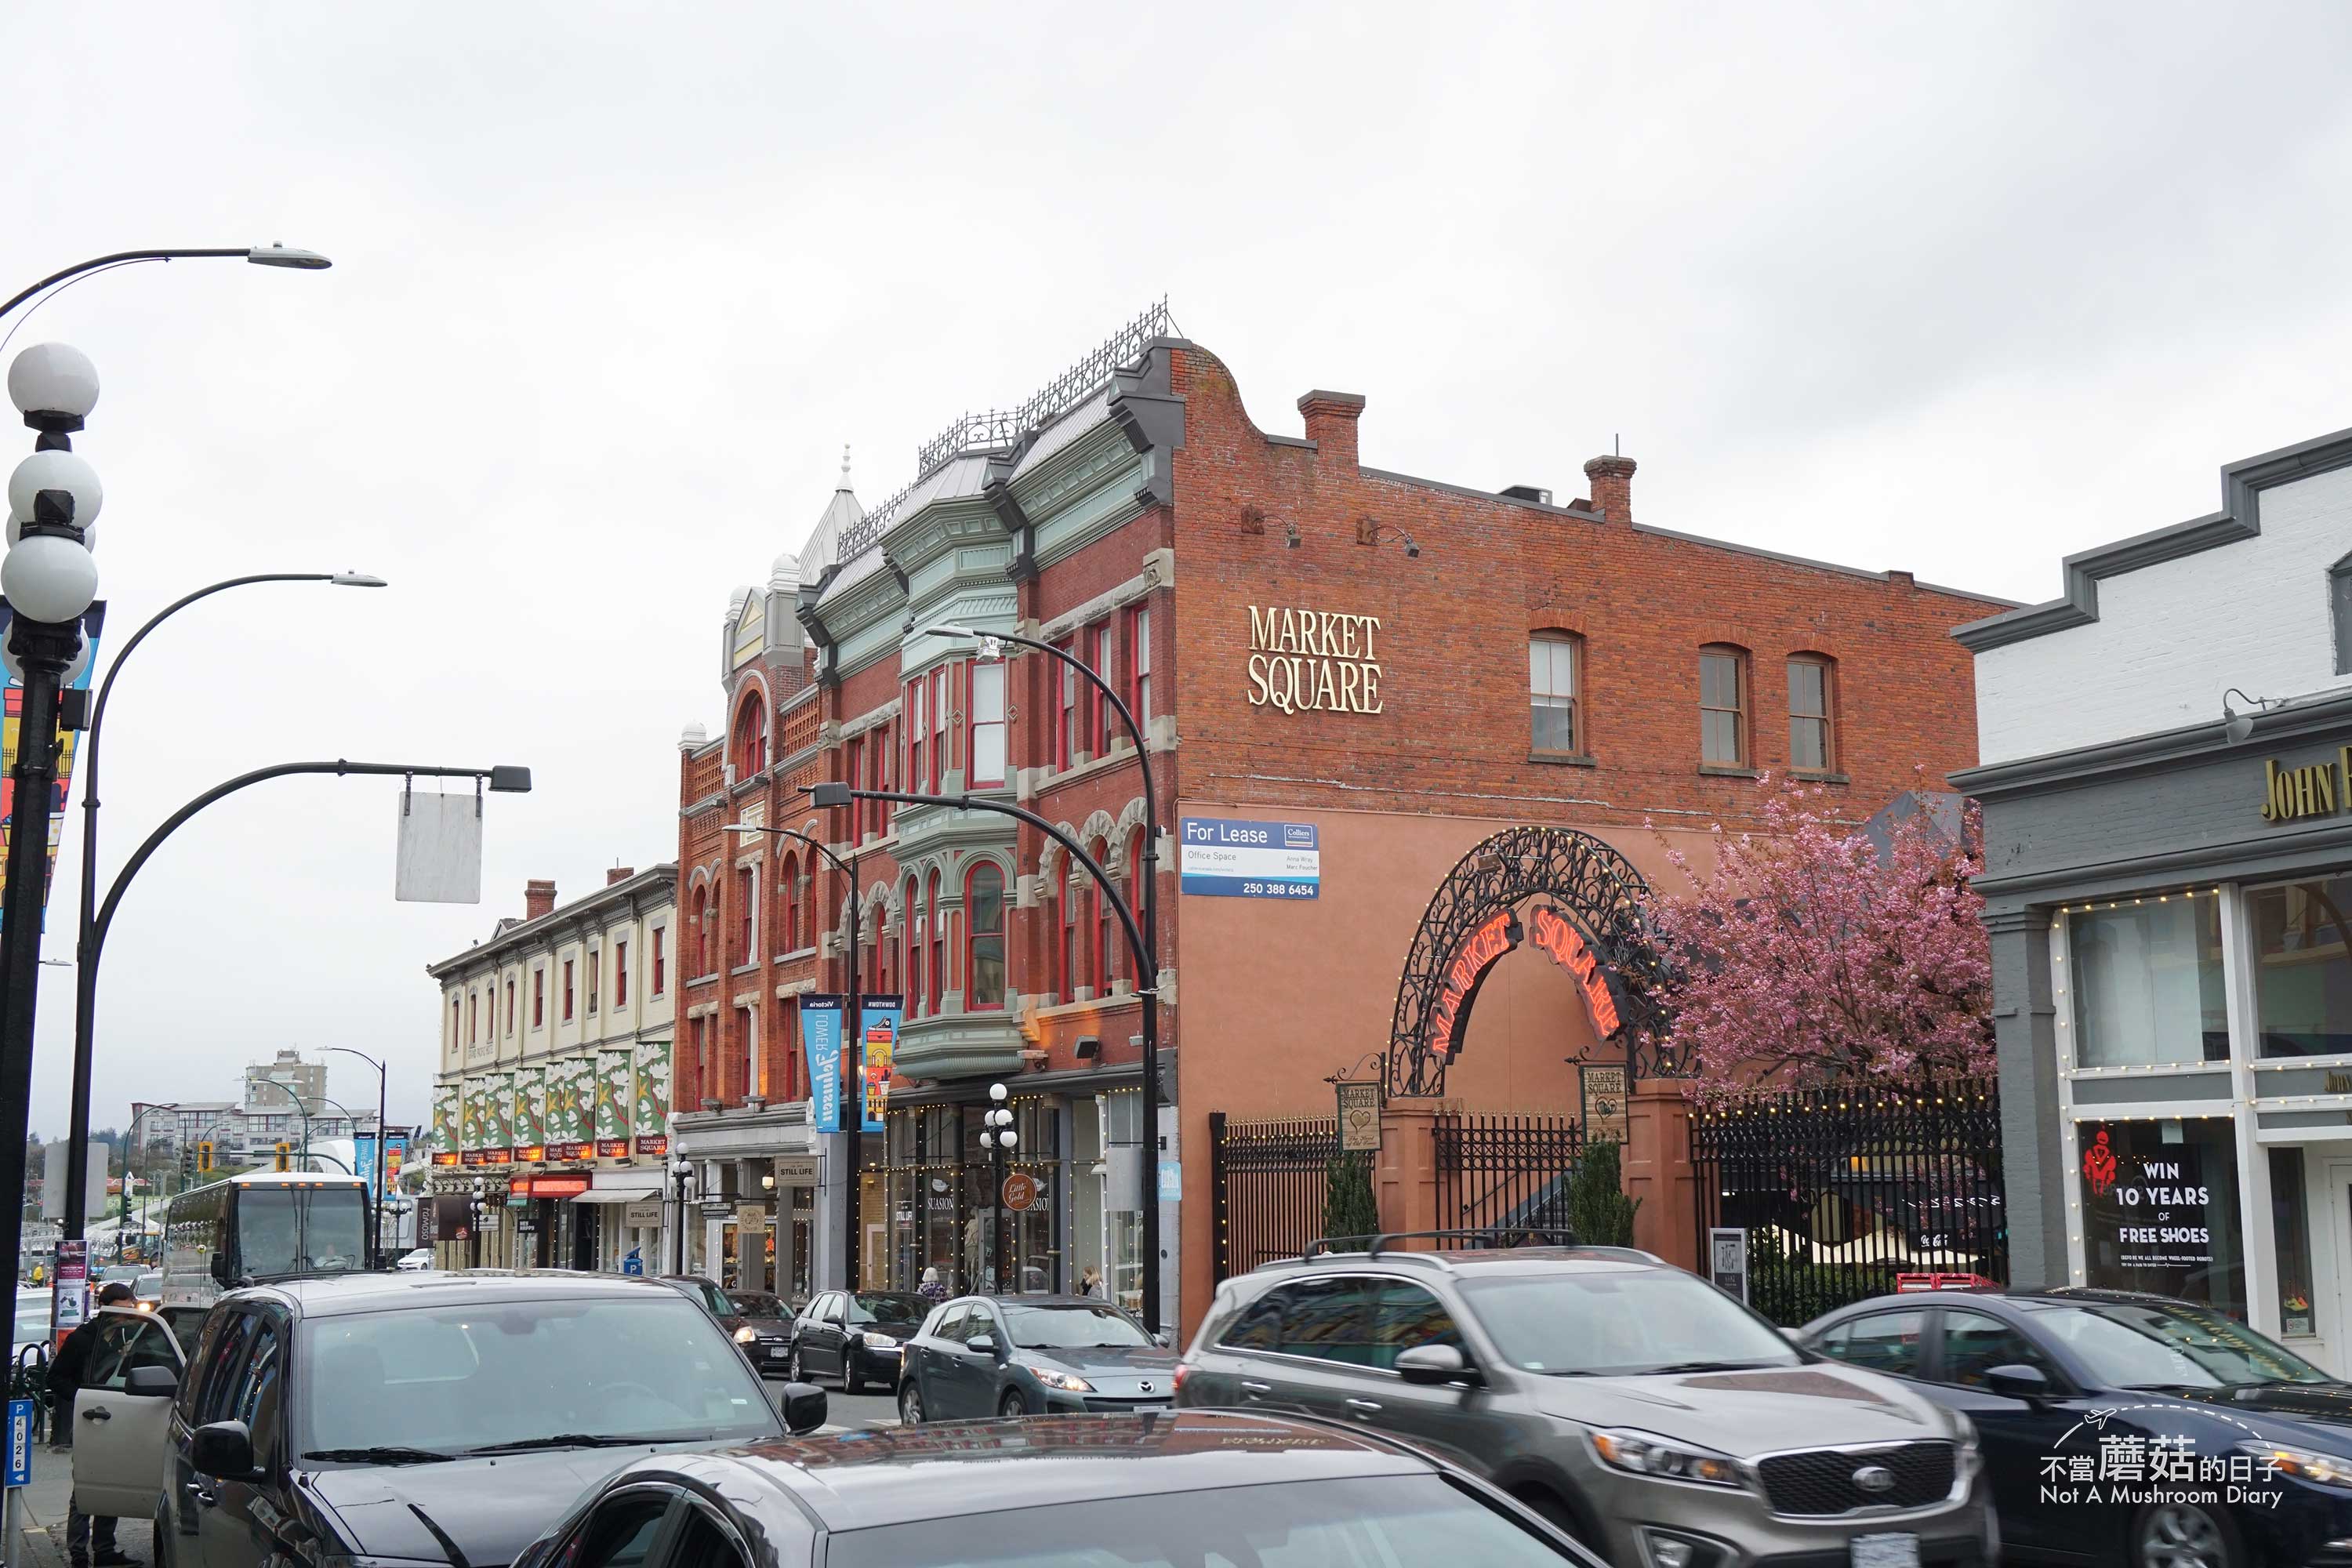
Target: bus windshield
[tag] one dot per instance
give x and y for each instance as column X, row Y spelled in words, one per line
column 299, row 1230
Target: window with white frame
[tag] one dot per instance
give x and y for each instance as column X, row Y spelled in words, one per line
column 2146, row 982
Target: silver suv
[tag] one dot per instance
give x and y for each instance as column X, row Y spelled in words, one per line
column 1645, row 1411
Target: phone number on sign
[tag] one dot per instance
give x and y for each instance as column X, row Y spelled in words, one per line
column 1279, row 889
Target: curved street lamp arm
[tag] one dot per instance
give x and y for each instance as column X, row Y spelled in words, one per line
column 106, row 686
column 341, row 768
column 847, row 870
column 361, row 1055
column 95, row 262
column 1145, row 964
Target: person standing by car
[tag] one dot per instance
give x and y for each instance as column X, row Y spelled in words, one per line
column 65, row 1375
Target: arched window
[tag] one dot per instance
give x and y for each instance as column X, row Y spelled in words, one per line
column 1099, row 962
column 745, row 927
column 1066, row 958
column 702, row 930
column 751, row 742
column 983, row 903
column 935, row 997
column 1134, row 900
column 788, row 893
column 911, row 938
column 810, row 930
column 1812, row 691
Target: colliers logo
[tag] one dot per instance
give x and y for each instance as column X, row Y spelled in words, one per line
column 1314, row 661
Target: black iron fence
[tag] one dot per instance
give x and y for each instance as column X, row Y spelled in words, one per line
column 1842, row 1190
column 1504, row 1172
column 1270, row 1181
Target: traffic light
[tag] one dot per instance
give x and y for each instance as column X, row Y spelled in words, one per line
column 285, row 1151
column 205, row 1158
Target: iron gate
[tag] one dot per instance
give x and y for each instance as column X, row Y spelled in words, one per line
column 1269, row 1181
column 1504, row 1172
column 1843, row 1188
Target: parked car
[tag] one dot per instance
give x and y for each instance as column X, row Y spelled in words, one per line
column 120, row 1427
column 415, row 1258
column 856, row 1336
column 1142, row 1491
column 766, row 1342
column 149, row 1288
column 34, row 1305
column 1636, row 1405
column 1015, row 1355
column 438, row 1417
column 2079, row 1382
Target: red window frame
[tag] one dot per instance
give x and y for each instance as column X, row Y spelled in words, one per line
column 620, row 980
column 567, row 990
column 936, row 987
column 917, row 777
column 473, row 1016
column 1105, row 955
column 539, row 999
column 942, row 706
column 661, row 969
column 910, row 944
column 1105, row 648
column 1065, row 979
column 1139, row 666
column 979, row 722
column 853, row 759
column 1066, row 716
column 595, row 991
column 511, row 1006
column 976, row 938
column 788, row 905
column 746, row 928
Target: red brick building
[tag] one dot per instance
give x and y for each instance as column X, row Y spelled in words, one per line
column 1405, row 665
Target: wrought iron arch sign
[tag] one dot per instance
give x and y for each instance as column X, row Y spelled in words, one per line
column 1586, row 911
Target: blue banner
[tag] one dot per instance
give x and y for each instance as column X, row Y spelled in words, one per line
column 11, row 709
column 877, row 1048
column 821, row 1038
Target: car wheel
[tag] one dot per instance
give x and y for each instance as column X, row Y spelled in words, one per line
column 910, row 1404
column 850, row 1381
column 1548, row 1507
column 793, row 1370
column 1013, row 1403
column 164, row 1554
column 2184, row 1535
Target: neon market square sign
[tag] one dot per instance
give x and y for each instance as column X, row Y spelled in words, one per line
column 1497, row 935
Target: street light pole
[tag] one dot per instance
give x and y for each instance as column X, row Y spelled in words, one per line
column 1147, row 970
column 1001, row 1138
column 376, row 1182
column 130, row 1145
column 481, row 1211
column 1148, row 875
column 259, row 255
column 851, row 1132
column 681, row 1173
column 86, row 969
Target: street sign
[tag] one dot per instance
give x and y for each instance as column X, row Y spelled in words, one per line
column 20, row 1443
column 1171, row 1182
column 1020, row 1191
column 69, row 1303
column 1727, row 1253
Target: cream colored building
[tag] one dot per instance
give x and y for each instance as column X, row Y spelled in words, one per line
column 552, row 1092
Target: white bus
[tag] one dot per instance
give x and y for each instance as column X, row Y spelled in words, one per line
column 262, row 1224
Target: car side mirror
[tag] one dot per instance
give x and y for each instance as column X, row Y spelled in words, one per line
column 802, row 1406
column 1435, row 1363
column 223, row 1450
column 220, row 1269
column 2019, row 1382
column 151, row 1383
column 984, row 1343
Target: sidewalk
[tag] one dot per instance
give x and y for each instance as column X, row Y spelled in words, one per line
column 41, row 1508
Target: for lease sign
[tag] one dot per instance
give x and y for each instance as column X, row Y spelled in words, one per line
column 1227, row 858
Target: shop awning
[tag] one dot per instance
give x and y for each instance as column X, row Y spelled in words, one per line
column 610, row 1195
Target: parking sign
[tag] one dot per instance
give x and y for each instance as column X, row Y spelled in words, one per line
column 20, row 1442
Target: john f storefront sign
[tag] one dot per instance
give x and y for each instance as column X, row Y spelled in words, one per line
column 2312, row 789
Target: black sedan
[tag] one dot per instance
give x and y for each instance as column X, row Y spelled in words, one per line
column 764, row 1333
column 854, row 1335
column 2123, row 1428
column 1020, row 1355
column 1184, row 1488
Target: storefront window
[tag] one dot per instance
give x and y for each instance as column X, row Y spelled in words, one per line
column 2160, row 1209
column 1122, row 1220
column 2291, row 1232
column 1086, row 1175
column 2147, row 982
column 2303, row 968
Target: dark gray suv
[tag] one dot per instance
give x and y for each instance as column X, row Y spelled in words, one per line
column 1652, row 1417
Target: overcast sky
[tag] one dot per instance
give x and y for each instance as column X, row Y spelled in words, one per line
column 1954, row 290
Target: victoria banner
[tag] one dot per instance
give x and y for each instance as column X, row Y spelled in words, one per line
column 11, row 726
column 878, row 1046
column 652, row 1118
column 821, row 1037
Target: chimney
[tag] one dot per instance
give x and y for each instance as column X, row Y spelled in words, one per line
column 1331, row 422
column 538, row 899
column 1613, row 487
column 618, row 874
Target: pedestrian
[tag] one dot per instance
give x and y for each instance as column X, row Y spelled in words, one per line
column 931, row 1290
column 1090, row 1281
column 89, row 1543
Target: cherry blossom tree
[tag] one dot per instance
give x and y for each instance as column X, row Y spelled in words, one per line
column 1806, row 955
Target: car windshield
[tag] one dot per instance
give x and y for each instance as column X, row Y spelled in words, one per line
column 298, row 1229
column 2133, row 1344
column 32, row 1320
column 149, row 1286
column 462, row 1376
column 1079, row 1326
column 1621, row 1323
column 888, row 1308
column 1390, row 1522
column 757, row 1304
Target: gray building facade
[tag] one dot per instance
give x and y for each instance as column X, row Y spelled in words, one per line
column 2168, row 898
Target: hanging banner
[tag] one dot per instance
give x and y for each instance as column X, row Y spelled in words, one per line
column 877, row 1045
column 612, row 1095
column 531, row 1115
column 821, row 1038
column 571, row 1086
column 444, row 1123
column 469, row 1119
column 497, row 1119
column 652, row 1119
column 94, row 618
column 395, row 1155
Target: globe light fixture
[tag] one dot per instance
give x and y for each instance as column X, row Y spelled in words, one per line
column 48, row 577
column 54, row 386
column 56, row 470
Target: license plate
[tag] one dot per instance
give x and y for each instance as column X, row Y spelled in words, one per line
column 1891, row 1550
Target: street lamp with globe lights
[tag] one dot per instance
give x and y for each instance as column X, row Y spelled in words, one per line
column 50, row 581
column 681, row 1173
column 481, row 1211
column 999, row 1138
